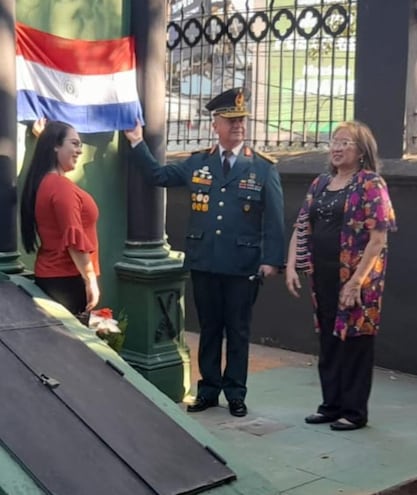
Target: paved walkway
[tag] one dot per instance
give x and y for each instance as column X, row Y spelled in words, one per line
column 300, row 459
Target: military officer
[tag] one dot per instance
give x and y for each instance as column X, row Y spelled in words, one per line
column 235, row 230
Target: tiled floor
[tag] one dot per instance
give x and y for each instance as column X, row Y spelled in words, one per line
column 299, row 459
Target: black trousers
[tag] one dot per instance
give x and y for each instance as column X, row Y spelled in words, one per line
column 345, row 367
column 224, row 306
column 68, row 291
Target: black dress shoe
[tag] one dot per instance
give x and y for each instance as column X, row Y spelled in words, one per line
column 318, row 418
column 238, row 408
column 201, row 404
column 346, row 425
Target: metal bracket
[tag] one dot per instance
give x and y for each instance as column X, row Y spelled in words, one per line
column 49, row 382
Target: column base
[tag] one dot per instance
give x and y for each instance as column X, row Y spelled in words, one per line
column 10, row 264
column 151, row 292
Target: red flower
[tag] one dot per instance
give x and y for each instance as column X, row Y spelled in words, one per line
column 103, row 313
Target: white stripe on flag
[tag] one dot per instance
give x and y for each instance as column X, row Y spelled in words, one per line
column 73, row 88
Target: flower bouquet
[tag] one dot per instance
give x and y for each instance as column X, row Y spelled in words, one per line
column 107, row 328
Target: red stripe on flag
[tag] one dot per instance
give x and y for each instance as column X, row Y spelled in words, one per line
column 75, row 56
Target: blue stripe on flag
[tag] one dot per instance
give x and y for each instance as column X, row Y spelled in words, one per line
column 84, row 118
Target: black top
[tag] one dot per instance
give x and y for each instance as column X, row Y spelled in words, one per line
column 326, row 217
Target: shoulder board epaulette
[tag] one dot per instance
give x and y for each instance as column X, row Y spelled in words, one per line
column 204, row 150
column 210, row 150
column 266, row 157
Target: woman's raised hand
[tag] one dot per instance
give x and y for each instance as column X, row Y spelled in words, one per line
column 135, row 135
column 38, row 126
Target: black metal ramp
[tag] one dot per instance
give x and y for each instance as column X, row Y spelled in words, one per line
column 78, row 426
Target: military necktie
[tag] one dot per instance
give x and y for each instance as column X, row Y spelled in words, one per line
column 226, row 162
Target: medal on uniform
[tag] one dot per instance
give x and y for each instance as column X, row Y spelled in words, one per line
column 246, row 207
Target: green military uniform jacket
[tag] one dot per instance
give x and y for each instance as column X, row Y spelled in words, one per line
column 236, row 223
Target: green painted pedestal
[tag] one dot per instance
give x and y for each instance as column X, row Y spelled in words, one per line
column 10, row 263
column 151, row 291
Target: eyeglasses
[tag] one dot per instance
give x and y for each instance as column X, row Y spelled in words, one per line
column 341, row 143
column 75, row 143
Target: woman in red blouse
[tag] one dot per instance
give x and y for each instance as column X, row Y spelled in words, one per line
column 58, row 221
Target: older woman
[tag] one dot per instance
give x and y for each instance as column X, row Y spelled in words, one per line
column 58, row 221
column 340, row 240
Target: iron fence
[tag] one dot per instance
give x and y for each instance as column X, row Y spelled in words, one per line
column 296, row 56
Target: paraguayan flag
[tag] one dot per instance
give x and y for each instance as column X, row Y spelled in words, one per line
column 88, row 84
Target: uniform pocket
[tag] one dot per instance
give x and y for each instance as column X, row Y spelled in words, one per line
column 249, row 253
column 250, row 201
column 195, row 234
column 194, row 242
column 249, row 195
column 249, row 242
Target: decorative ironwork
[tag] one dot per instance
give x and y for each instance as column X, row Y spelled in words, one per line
column 335, row 20
column 256, row 18
column 277, row 19
column 296, row 58
column 214, row 26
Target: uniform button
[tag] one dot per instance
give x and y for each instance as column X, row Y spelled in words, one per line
column 249, row 197
column 223, row 189
column 219, row 217
column 221, row 203
column 218, row 232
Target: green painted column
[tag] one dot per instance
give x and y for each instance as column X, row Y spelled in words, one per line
column 9, row 256
column 150, row 275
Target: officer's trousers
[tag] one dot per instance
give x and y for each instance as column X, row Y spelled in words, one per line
column 224, row 307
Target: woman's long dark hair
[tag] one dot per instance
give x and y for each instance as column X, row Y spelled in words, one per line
column 44, row 160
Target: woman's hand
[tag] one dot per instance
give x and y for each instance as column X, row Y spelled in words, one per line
column 135, row 136
column 292, row 281
column 38, row 126
column 92, row 293
column 350, row 295
column 85, row 266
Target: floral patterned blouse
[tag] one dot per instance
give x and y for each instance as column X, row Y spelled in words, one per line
column 367, row 207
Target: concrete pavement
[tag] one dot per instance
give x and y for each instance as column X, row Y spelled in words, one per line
column 301, row 459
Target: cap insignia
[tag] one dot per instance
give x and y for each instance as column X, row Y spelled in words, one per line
column 240, row 101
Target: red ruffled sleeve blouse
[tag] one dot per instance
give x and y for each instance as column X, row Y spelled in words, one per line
column 66, row 217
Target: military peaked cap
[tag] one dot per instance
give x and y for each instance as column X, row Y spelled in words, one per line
column 230, row 103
